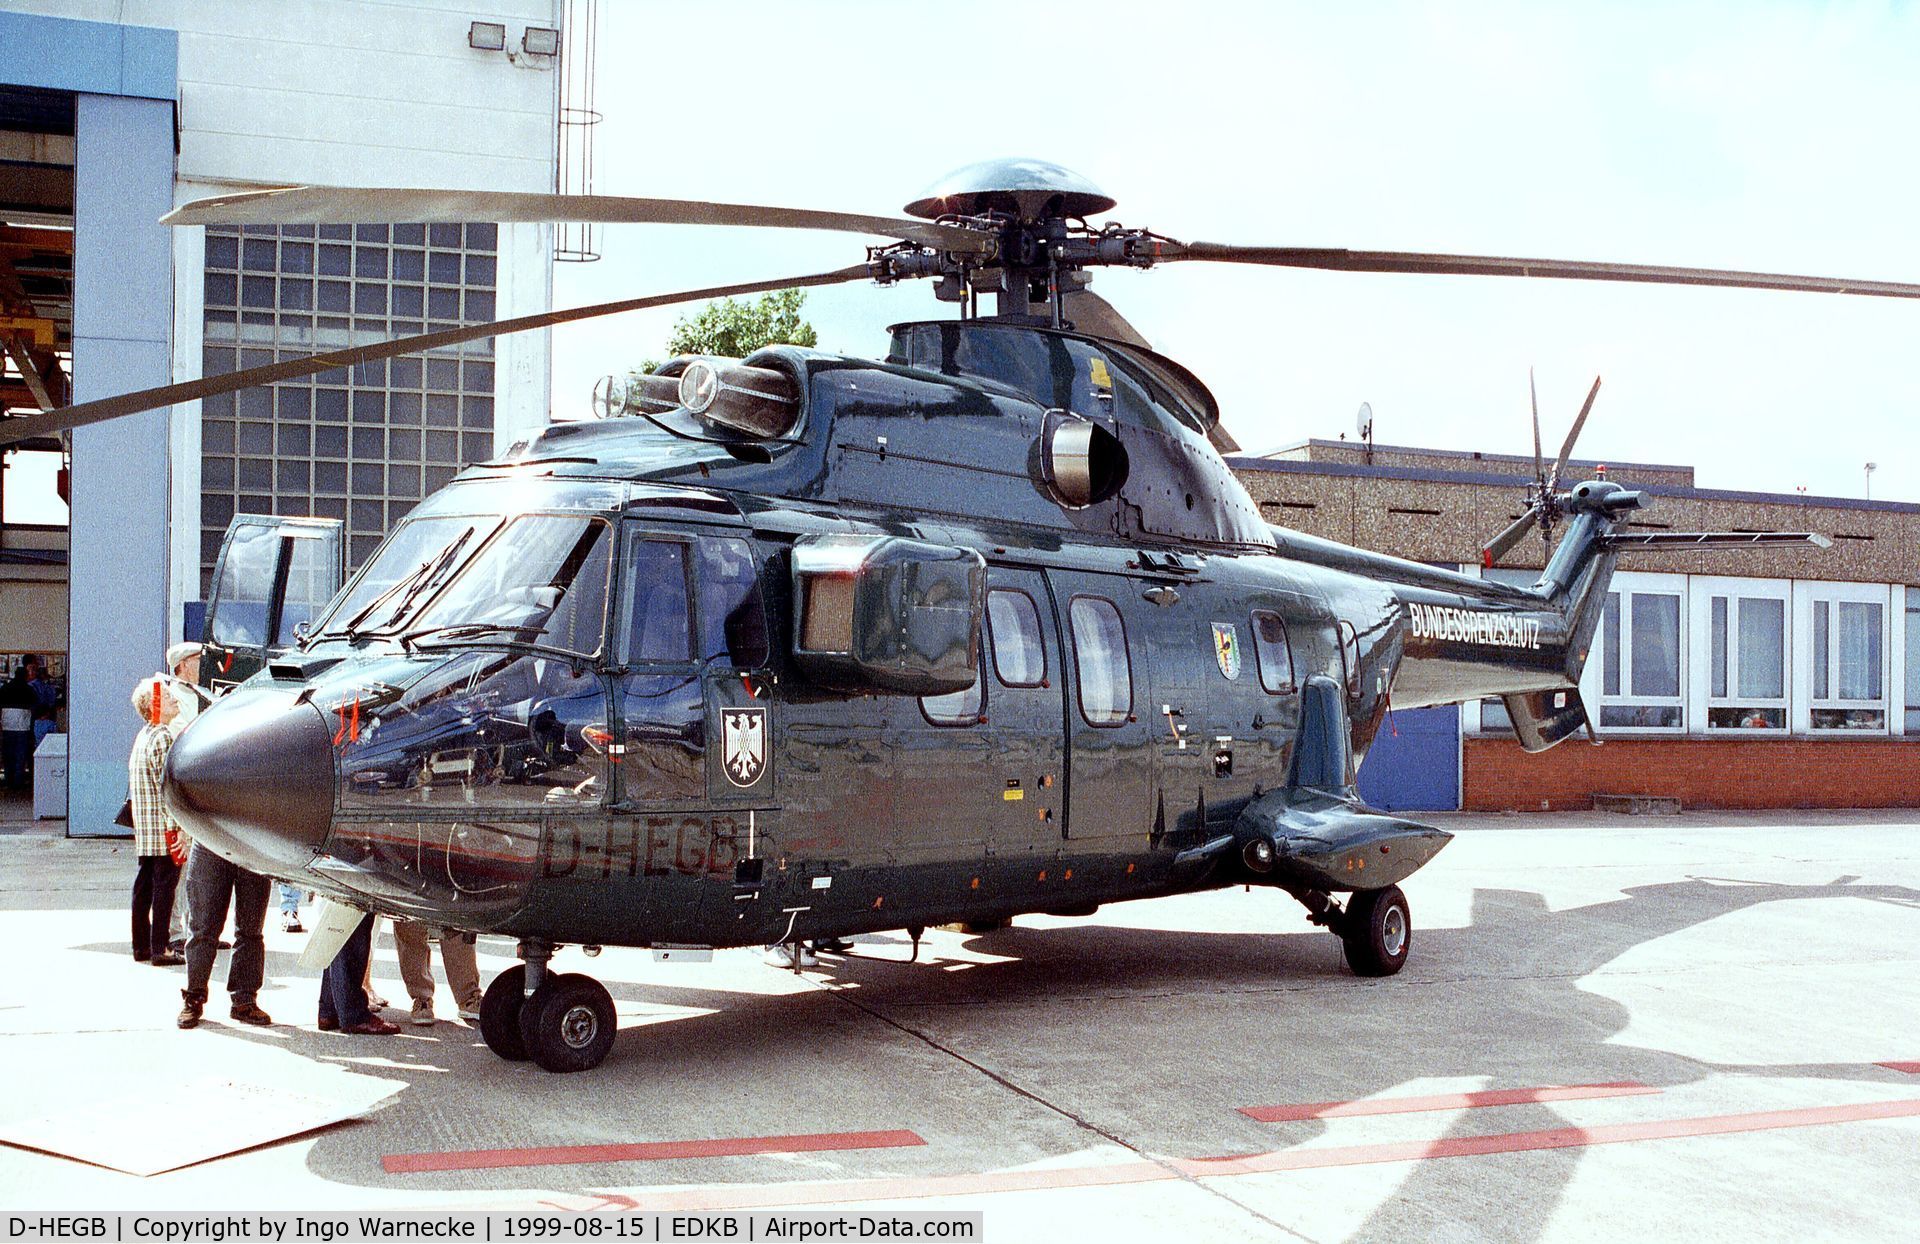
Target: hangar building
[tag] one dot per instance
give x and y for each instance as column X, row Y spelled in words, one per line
column 112, row 112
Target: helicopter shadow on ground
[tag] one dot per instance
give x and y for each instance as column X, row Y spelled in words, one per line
column 1514, row 971
column 693, row 1064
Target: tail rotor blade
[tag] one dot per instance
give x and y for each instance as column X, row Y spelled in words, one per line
column 1573, row 434
column 1539, row 464
column 1499, row 546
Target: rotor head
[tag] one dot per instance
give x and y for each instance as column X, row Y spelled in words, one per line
column 1026, row 189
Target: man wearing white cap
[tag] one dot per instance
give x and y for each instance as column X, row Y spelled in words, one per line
column 184, row 660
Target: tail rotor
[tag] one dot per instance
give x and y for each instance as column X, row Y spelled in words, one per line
column 1545, row 502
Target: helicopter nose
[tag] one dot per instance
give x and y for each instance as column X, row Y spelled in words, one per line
column 253, row 778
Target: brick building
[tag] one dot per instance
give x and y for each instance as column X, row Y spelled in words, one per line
column 1781, row 677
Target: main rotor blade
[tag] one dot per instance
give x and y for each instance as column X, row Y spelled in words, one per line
column 1573, row 434
column 1498, row 547
column 309, row 205
column 1490, row 265
column 1539, row 464
column 84, row 413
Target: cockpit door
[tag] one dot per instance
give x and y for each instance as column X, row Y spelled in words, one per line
column 274, row 574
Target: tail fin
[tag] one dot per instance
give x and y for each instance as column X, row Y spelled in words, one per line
column 1468, row 639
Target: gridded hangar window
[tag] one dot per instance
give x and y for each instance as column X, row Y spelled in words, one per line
column 362, row 444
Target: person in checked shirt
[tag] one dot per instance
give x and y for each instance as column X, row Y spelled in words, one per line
column 156, row 839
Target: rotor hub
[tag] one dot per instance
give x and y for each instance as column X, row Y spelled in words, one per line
column 1025, row 189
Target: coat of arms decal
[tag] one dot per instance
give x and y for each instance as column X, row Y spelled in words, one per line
column 1226, row 649
column 743, row 746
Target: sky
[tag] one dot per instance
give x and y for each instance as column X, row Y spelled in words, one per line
column 1765, row 136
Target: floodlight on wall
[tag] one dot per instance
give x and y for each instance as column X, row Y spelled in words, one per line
column 487, row 36
column 540, row 41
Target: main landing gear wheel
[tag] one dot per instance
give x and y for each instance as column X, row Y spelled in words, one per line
column 500, row 1014
column 568, row 1024
column 1377, row 932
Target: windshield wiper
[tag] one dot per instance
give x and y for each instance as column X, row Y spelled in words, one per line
column 439, row 563
column 458, row 630
column 417, row 579
column 468, row 630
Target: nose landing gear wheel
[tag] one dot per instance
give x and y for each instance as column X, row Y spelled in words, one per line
column 500, row 1014
column 1377, row 932
column 568, row 1024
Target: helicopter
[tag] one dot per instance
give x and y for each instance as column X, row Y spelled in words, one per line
column 802, row 646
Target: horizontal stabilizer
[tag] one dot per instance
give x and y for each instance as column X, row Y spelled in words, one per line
column 1321, row 842
column 1656, row 540
column 1543, row 718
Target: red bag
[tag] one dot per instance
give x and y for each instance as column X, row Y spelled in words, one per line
column 177, row 847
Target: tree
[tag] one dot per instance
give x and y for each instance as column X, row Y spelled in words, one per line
column 736, row 329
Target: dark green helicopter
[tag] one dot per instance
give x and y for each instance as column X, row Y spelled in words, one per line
column 799, row 646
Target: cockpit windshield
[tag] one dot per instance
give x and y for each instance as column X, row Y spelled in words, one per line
column 421, row 555
column 542, row 580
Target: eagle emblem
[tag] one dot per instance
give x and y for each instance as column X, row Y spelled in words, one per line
column 743, row 745
column 1226, row 649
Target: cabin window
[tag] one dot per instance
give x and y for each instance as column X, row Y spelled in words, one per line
column 654, row 613
column 956, row 708
column 733, row 621
column 1100, row 653
column 1019, row 654
column 1272, row 652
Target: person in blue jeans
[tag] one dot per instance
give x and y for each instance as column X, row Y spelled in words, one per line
column 290, row 909
column 343, row 997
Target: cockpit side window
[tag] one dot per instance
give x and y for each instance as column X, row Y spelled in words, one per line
column 656, row 617
column 246, row 576
column 733, row 620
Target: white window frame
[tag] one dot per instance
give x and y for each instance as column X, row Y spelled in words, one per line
column 1905, row 597
column 1627, row 584
column 1806, row 595
column 1700, row 698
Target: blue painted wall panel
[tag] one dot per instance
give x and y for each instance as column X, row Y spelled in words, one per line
column 97, row 58
column 122, row 330
column 1414, row 763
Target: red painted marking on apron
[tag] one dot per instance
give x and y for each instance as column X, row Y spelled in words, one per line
column 646, row 1151
column 1444, row 1101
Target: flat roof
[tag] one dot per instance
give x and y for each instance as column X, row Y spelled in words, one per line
column 1468, row 455
column 1616, row 471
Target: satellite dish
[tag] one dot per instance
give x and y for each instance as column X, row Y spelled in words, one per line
column 1363, row 422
